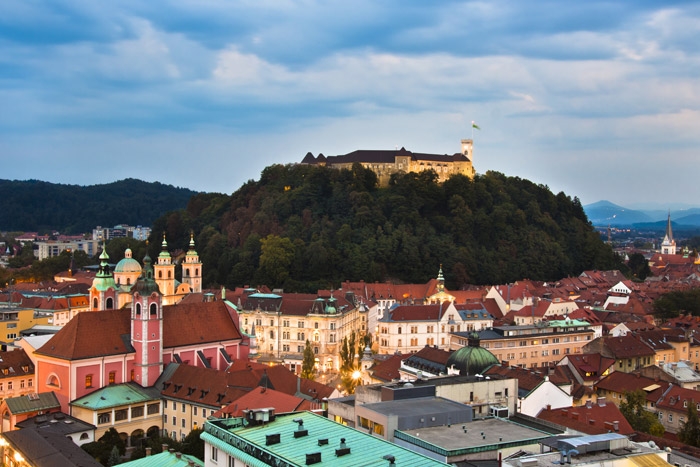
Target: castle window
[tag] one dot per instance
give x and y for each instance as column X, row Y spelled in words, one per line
column 196, row 272
column 109, row 304
column 160, row 274
column 94, row 303
column 169, row 274
column 88, row 381
column 187, row 273
column 138, row 308
column 154, row 309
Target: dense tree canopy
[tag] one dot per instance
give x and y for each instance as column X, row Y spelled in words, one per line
column 306, row 227
column 44, row 207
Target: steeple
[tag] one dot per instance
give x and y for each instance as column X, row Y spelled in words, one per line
column 440, row 281
column 103, row 290
column 192, row 268
column 668, row 245
column 165, row 271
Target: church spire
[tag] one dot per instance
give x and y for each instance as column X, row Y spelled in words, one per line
column 668, row 245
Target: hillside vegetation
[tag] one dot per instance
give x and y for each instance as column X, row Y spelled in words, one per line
column 36, row 206
column 304, row 227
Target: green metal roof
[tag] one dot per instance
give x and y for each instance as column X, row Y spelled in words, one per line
column 164, row 459
column 365, row 449
column 32, row 402
column 114, row 396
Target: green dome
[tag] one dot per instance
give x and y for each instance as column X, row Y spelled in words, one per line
column 472, row 359
column 127, row 264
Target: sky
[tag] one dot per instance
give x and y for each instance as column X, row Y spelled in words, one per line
column 598, row 99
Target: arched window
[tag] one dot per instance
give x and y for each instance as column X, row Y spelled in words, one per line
column 110, row 303
column 187, row 273
column 53, row 381
column 84, row 436
column 138, row 308
column 154, row 309
column 196, row 272
column 128, row 281
column 169, row 274
column 160, row 274
column 94, row 303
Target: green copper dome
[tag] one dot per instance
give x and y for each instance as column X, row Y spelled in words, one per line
column 472, row 359
column 128, row 263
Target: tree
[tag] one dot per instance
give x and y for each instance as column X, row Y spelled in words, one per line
column 114, row 457
column 348, row 364
column 639, row 266
column 276, row 256
column 309, row 362
column 640, row 419
column 690, row 430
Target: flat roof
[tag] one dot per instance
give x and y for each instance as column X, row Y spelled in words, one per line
column 495, row 431
column 415, row 406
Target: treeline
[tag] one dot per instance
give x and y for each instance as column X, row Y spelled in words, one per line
column 36, row 206
column 306, row 227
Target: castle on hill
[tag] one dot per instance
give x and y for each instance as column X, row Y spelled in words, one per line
column 387, row 163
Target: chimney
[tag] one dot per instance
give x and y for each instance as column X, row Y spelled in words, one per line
column 601, row 401
column 589, row 404
column 616, row 425
column 178, row 455
column 148, row 451
column 164, row 447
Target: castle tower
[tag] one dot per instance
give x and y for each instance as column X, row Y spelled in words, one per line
column 192, row 268
column 668, row 246
column 165, row 271
column 147, row 327
column 103, row 293
column 440, row 281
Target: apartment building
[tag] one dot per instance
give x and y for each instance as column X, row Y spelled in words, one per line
column 531, row 346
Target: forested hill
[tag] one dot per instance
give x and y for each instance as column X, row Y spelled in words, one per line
column 305, row 227
column 72, row 209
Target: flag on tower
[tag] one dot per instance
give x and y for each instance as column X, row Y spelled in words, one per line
column 474, row 125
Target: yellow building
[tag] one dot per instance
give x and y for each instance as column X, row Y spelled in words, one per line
column 14, row 320
column 387, row 163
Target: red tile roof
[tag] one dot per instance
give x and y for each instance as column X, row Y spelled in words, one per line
column 261, row 398
column 107, row 332
column 592, row 419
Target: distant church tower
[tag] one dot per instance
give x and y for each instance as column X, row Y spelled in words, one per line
column 668, row 246
column 147, row 327
column 165, row 271
column 192, row 269
column 103, row 293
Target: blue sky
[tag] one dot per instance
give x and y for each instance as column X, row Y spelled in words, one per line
column 600, row 100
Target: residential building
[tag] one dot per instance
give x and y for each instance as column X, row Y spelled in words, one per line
column 51, row 248
column 34, row 448
column 20, row 408
column 535, row 390
column 591, row 418
column 283, row 322
column 16, row 374
column 630, row 352
column 15, row 319
column 531, row 346
column 60, row 423
column 387, row 163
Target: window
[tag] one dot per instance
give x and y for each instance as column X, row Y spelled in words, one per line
column 165, row 404
column 399, row 330
column 30, row 383
column 120, row 415
column 88, row 381
column 272, row 334
column 670, row 417
column 183, row 407
column 316, row 325
column 104, row 417
column 300, row 324
column 112, row 376
column 272, row 322
column 136, row 412
column 331, row 338
column 153, row 408
column 204, row 413
column 194, row 410
column 174, row 420
column 285, row 323
column 9, row 385
column 183, row 423
column 332, row 326
column 301, row 336
column 414, row 329
column 285, row 347
column 214, row 454
column 21, row 386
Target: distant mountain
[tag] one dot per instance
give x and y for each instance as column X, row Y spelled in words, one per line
column 605, row 213
column 36, row 206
